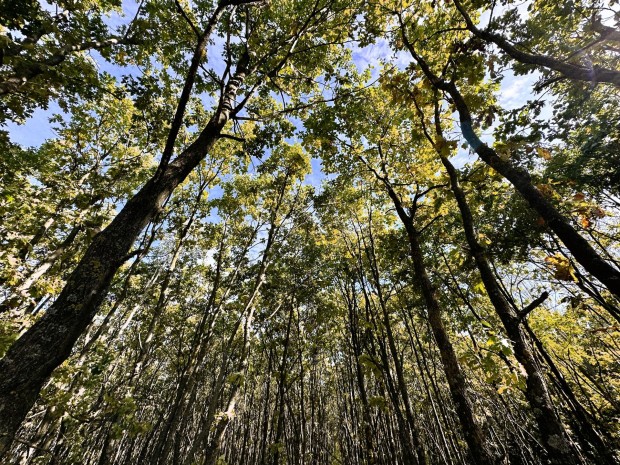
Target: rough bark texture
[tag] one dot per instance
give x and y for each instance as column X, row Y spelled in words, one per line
column 32, row 358
column 551, row 429
column 474, row 434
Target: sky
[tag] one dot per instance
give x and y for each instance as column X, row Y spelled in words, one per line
column 514, row 91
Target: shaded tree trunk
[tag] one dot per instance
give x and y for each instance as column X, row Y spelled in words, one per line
column 552, row 432
column 32, row 358
column 474, row 435
column 581, row 249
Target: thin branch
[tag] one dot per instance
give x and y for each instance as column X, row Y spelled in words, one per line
column 232, row 137
column 187, row 19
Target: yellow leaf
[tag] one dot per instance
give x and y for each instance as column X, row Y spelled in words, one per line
column 562, row 269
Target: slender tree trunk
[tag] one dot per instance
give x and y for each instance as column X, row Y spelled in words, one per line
column 398, row 366
column 163, row 289
column 282, row 389
column 409, row 442
column 447, row 450
column 474, row 435
column 262, row 457
column 553, row 434
column 370, row 453
column 212, row 446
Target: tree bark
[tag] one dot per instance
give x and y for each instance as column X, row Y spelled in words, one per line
column 581, row 249
column 477, row 441
column 551, row 429
column 32, row 358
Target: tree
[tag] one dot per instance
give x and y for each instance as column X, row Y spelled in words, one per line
column 249, row 64
column 243, row 245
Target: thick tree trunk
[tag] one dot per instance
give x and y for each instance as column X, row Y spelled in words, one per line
column 474, row 435
column 424, row 374
column 33, row 357
column 581, row 249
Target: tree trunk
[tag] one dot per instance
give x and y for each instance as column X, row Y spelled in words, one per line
column 581, row 249
column 474, row 435
column 553, row 435
column 32, row 358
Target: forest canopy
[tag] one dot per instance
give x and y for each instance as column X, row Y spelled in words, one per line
column 310, row 232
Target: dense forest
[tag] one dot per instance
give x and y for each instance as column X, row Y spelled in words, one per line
column 310, row 232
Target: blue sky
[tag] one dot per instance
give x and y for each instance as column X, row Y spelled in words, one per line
column 514, row 91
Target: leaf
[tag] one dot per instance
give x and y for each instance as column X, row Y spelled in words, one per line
column 236, row 379
column 479, row 288
column 562, row 269
column 378, row 401
column 543, row 153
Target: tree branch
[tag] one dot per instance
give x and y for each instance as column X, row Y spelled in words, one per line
column 532, row 306
column 572, row 71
